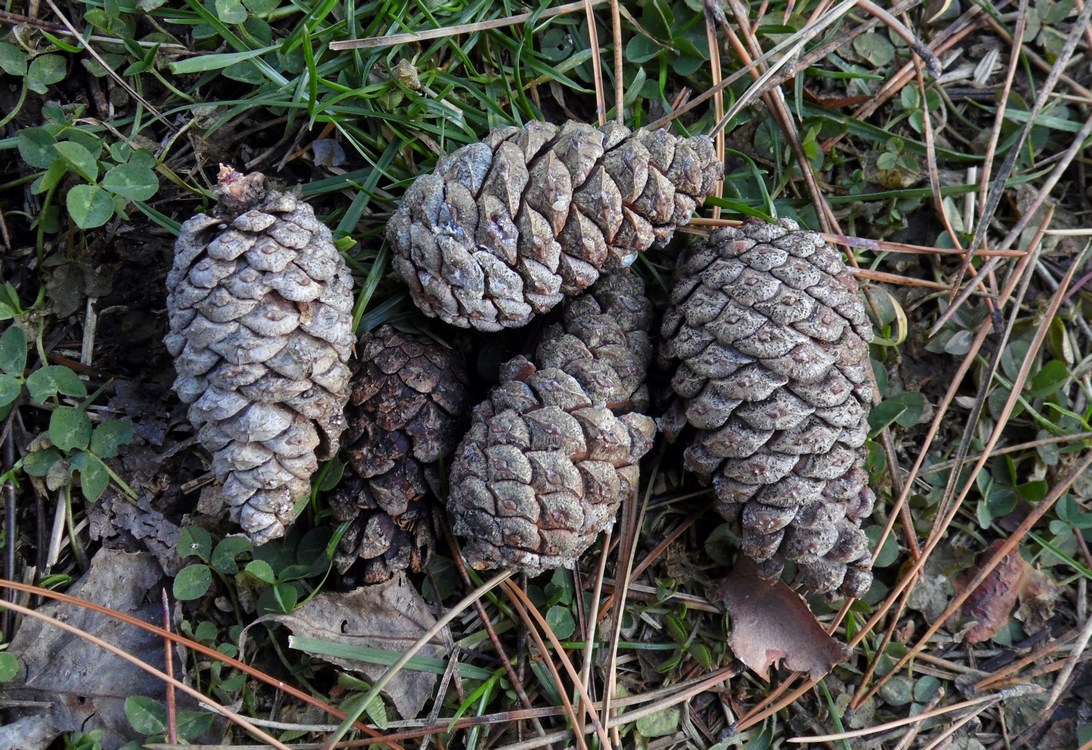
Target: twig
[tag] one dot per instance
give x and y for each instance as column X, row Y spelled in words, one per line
column 1070, row 663
column 985, row 699
column 466, row 28
column 168, row 668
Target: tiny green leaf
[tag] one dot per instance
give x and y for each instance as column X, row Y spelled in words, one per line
column 38, row 463
column 134, row 182
column 89, row 206
column 69, row 428
column 1049, row 379
column 13, row 351
column 561, row 622
column 10, row 386
column 230, row 11
column 45, row 71
column 13, row 60
column 79, row 159
column 903, row 409
column 109, row 436
column 261, row 570
column 94, row 478
column 194, row 540
column 875, row 48
column 193, row 724
column 146, row 715
column 659, row 724
column 224, row 556
column 36, row 146
column 9, row 666
column 50, row 380
column 192, row 582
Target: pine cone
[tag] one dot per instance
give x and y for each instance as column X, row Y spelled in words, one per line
column 259, row 309
column 771, row 343
column 509, row 226
column 408, row 393
column 553, row 451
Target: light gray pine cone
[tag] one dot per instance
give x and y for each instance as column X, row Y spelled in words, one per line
column 509, row 226
column 259, row 308
column 769, row 340
column 554, row 450
column 408, row 395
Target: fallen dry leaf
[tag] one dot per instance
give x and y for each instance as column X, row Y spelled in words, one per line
column 771, row 622
column 389, row 616
column 69, row 684
column 1037, row 597
column 990, row 604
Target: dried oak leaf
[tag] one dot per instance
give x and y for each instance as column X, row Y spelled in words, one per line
column 990, row 604
column 68, row 684
column 390, row 616
column 771, row 622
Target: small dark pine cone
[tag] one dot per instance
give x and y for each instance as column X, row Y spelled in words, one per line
column 509, row 226
column 554, row 450
column 408, row 395
column 769, row 341
column 259, row 307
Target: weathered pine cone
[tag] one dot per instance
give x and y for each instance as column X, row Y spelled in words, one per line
column 259, row 309
column 508, row 227
column 770, row 342
column 408, row 395
column 554, row 450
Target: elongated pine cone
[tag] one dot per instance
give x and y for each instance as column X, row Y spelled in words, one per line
column 408, row 395
column 509, row 226
column 553, row 451
column 259, row 307
column 770, row 342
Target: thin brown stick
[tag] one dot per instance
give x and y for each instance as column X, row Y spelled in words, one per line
column 597, row 63
column 168, row 668
column 619, row 60
column 483, row 617
column 466, row 28
column 521, row 601
column 102, row 61
column 718, row 97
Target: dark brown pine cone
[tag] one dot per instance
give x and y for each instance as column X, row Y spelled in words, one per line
column 554, row 450
column 509, row 226
column 769, row 340
column 259, row 306
column 408, row 394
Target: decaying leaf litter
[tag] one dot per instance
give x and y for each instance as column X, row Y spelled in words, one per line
column 1031, row 455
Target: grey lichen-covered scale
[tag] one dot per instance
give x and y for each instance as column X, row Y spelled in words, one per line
column 259, row 309
column 508, row 227
column 554, row 449
column 408, row 397
column 768, row 339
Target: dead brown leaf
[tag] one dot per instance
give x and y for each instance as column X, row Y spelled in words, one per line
column 990, row 605
column 771, row 622
column 69, row 684
column 389, row 616
column 1037, row 597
